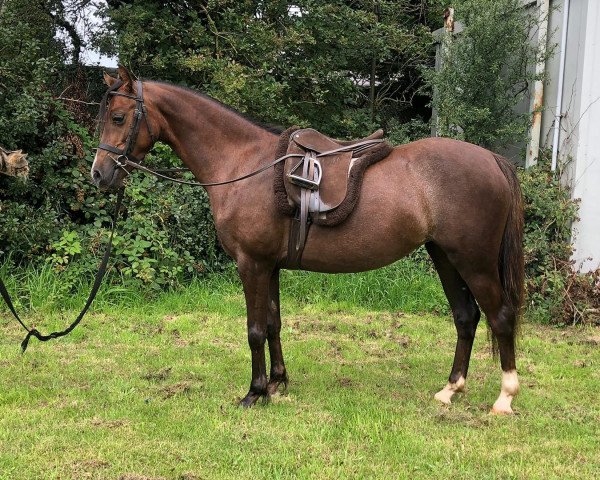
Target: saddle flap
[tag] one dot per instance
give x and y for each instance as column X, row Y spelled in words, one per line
column 333, row 174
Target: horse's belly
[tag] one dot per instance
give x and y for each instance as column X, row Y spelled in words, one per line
column 388, row 223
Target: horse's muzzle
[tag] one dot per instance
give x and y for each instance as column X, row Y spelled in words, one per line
column 107, row 179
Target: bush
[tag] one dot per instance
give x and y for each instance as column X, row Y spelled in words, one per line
column 555, row 293
column 165, row 234
column 485, row 73
column 57, row 217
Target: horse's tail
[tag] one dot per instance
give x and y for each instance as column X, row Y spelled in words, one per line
column 511, row 262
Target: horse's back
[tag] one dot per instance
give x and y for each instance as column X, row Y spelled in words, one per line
column 435, row 189
column 447, row 160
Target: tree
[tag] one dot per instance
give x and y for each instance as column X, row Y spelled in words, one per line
column 485, row 73
column 306, row 63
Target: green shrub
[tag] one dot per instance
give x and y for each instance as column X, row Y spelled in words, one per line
column 549, row 214
column 485, row 73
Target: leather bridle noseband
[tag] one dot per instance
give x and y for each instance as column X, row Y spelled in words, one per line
column 139, row 113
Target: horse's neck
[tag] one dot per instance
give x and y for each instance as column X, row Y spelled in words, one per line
column 214, row 142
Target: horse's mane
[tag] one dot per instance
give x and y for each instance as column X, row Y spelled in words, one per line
column 265, row 126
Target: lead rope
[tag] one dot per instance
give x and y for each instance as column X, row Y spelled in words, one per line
column 97, row 282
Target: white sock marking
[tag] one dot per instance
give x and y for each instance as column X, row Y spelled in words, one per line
column 445, row 395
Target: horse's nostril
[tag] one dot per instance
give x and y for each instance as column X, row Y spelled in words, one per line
column 96, row 175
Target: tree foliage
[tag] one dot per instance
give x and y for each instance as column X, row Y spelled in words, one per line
column 57, row 215
column 305, row 62
column 485, row 73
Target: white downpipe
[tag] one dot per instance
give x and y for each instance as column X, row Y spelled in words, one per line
column 538, row 90
column 561, row 78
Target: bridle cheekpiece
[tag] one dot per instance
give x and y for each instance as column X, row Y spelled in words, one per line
column 139, row 113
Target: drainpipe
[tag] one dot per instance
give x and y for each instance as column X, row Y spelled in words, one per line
column 538, row 90
column 561, row 78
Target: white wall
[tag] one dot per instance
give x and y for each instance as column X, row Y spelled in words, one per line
column 579, row 141
column 586, row 148
column 573, row 77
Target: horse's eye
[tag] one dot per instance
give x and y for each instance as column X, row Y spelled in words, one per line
column 118, row 118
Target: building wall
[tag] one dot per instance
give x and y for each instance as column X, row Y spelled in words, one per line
column 584, row 144
column 579, row 140
column 571, row 103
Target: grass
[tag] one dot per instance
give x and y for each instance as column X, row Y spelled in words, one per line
column 146, row 388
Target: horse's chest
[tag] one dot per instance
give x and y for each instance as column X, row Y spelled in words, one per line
column 249, row 229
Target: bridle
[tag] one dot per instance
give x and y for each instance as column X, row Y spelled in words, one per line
column 124, row 154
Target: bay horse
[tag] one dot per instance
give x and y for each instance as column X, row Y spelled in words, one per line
column 460, row 200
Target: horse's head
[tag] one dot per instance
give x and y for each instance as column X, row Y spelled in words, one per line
column 126, row 130
column 14, row 164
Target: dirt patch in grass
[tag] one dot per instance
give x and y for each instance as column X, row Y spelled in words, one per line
column 159, row 375
column 472, row 417
column 135, row 476
column 188, row 476
column 181, row 388
column 345, row 382
column 591, row 340
column 100, row 422
column 89, row 469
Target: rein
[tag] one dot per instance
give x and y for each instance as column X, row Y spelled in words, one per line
column 159, row 173
column 32, row 332
column 125, row 158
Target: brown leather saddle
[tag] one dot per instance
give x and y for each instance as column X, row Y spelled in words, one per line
column 321, row 182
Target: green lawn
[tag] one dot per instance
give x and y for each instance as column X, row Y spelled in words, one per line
column 148, row 390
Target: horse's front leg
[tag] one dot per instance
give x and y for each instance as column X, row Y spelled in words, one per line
column 255, row 278
column 278, row 373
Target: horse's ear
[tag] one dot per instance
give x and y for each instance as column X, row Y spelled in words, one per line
column 108, row 79
column 126, row 77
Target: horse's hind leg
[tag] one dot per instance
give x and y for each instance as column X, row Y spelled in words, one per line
column 278, row 373
column 502, row 320
column 466, row 317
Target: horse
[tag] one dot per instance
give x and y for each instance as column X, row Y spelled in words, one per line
column 13, row 163
column 461, row 201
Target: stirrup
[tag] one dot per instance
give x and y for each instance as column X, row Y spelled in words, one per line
column 304, row 182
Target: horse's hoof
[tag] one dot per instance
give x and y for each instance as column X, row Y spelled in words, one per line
column 443, row 396
column 251, row 398
column 501, row 409
column 274, row 383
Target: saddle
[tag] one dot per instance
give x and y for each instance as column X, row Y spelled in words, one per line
column 321, row 179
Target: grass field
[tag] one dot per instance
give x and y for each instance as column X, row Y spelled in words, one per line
column 146, row 388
